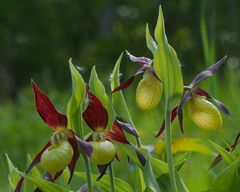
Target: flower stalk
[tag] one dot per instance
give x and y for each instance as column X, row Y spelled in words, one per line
column 86, row 159
column 169, row 150
column 111, row 173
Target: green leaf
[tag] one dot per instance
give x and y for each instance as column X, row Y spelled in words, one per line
column 227, row 156
column 104, row 183
column 44, row 185
column 118, row 101
column 97, row 88
column 13, row 176
column 139, row 180
column 167, row 65
column 164, row 183
column 149, row 177
column 159, row 167
column 228, row 180
column 151, row 44
column 181, row 160
column 78, row 93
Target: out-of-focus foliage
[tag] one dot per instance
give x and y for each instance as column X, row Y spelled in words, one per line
column 37, row 37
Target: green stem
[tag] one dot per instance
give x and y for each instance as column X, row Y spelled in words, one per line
column 169, row 150
column 88, row 172
column 111, row 172
column 86, row 159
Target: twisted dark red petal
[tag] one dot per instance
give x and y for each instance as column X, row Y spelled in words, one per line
column 208, row 72
column 186, row 96
column 140, row 60
column 125, row 84
column 95, row 115
column 173, row 115
column 126, row 127
column 85, row 146
column 116, row 134
column 35, row 161
column 72, row 140
column 47, row 111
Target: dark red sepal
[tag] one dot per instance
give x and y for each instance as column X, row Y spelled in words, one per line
column 116, row 134
column 95, row 115
column 125, row 84
column 173, row 115
column 73, row 141
column 47, row 111
column 35, row 161
column 186, row 96
column 102, row 170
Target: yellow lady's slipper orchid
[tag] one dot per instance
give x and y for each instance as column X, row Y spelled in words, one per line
column 204, row 114
column 149, row 91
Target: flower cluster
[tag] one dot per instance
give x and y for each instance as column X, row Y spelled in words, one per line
column 62, row 150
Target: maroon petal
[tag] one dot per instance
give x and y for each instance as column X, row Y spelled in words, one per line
column 35, row 161
column 140, row 156
column 102, row 169
column 215, row 162
column 117, row 157
column 95, row 115
column 110, row 135
column 220, row 105
column 47, row 111
column 173, row 115
column 124, row 85
column 186, row 96
column 73, row 141
column 127, row 83
column 126, row 127
column 207, row 73
column 116, row 134
column 85, row 146
column 140, row 60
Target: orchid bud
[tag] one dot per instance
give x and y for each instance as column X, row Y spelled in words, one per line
column 204, row 114
column 57, row 157
column 149, row 91
column 103, row 152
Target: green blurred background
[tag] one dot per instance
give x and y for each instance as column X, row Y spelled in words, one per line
column 38, row 37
